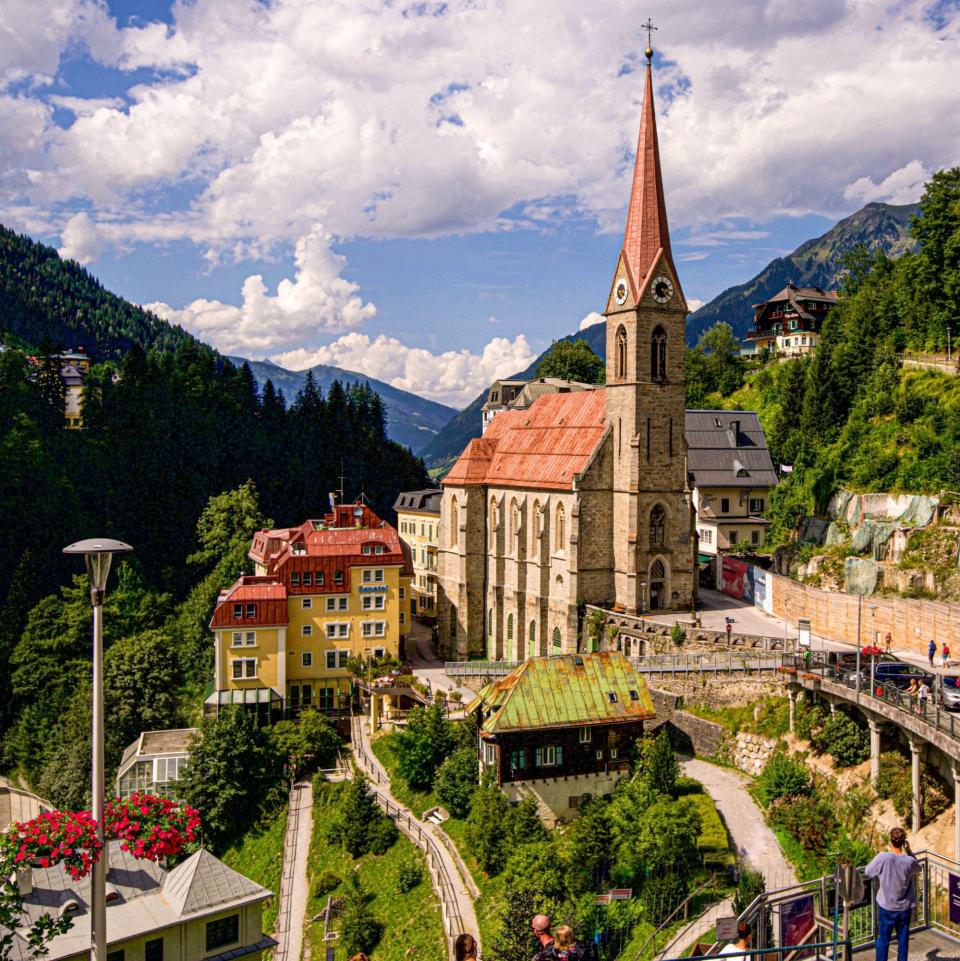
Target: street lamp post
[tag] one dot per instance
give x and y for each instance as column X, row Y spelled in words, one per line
column 643, row 598
column 97, row 554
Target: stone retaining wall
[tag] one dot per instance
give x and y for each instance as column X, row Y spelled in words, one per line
column 688, row 733
column 751, row 752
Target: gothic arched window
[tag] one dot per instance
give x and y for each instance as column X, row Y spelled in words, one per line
column 556, row 638
column 493, row 522
column 658, row 520
column 537, row 528
column 533, row 633
column 454, row 522
column 561, row 528
column 658, row 353
column 490, row 622
column 509, row 627
column 514, row 518
column 657, row 572
column 621, row 355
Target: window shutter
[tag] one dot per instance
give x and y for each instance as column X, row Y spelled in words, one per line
column 539, row 757
column 559, row 754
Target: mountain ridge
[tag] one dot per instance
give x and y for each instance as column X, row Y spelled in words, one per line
column 815, row 263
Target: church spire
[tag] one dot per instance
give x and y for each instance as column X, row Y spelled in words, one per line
column 647, row 231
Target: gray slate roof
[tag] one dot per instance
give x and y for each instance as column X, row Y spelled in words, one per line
column 716, row 452
column 203, row 881
column 427, row 500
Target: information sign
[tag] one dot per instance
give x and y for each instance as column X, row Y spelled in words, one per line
column 726, row 929
column 796, row 923
column 601, row 899
column 954, row 898
column 620, row 894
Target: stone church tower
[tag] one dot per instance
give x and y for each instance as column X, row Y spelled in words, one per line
column 645, row 397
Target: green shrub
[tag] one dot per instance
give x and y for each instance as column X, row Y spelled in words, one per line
column 359, row 929
column 328, row 880
column 410, row 876
column 782, row 777
column 893, row 768
column 688, row 785
column 809, row 720
column 678, row 635
column 456, row 781
column 810, row 820
column 843, row 739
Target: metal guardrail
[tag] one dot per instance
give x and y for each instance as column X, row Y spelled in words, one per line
column 442, row 883
column 930, row 711
column 733, row 660
column 765, row 913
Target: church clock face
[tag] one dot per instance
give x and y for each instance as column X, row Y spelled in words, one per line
column 662, row 289
column 620, row 291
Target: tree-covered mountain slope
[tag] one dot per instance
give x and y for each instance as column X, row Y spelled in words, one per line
column 411, row 420
column 815, row 263
column 45, row 298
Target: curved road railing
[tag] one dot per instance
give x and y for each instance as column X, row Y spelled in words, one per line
column 929, row 713
column 412, row 828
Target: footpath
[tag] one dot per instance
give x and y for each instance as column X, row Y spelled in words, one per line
column 292, row 905
column 451, row 878
column 752, row 840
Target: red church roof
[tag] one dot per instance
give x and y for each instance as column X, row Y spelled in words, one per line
column 545, row 446
column 647, row 231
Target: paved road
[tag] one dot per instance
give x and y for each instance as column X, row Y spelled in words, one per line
column 426, row 665
column 294, row 887
column 751, row 836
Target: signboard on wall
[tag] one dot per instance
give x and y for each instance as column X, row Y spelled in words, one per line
column 803, row 625
column 736, row 580
column 954, row 898
column 796, row 922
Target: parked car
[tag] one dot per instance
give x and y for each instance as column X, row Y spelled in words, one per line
column 893, row 672
column 845, row 662
column 951, row 693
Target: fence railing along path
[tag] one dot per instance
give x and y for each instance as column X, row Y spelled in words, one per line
column 456, row 905
column 718, row 662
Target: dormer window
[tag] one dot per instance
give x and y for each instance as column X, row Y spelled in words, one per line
column 295, row 578
column 338, row 577
column 251, row 610
column 307, row 578
column 238, row 610
column 612, row 697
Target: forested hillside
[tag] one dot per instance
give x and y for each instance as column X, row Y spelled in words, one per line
column 45, row 298
column 166, row 434
column 849, row 415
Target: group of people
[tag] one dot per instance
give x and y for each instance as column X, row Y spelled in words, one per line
column 932, row 653
column 561, row 944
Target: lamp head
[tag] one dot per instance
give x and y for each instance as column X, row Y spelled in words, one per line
column 97, row 553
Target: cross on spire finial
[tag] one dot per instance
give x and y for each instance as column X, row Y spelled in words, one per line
column 649, row 27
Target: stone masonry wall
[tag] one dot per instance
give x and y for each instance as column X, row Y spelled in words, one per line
column 751, row 752
column 688, row 733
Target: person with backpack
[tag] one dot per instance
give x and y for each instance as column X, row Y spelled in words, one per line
column 945, row 656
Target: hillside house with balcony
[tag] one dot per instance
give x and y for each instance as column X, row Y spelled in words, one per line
column 788, row 324
column 561, row 728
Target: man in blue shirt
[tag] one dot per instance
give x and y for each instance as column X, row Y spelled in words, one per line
column 896, row 870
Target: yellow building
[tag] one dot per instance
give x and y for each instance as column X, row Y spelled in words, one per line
column 418, row 520
column 323, row 593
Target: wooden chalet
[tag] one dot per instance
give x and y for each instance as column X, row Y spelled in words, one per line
column 561, row 728
column 788, row 324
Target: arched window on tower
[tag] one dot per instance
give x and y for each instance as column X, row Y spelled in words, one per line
column 493, row 522
column 658, row 353
column 514, row 518
column 658, row 521
column 561, row 528
column 454, row 522
column 537, row 524
column 621, row 355
column 509, row 627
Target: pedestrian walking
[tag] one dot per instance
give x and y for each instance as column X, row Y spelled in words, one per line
column 931, row 651
column 888, row 641
column 465, row 948
column 945, row 655
column 897, row 895
column 923, row 692
column 744, row 934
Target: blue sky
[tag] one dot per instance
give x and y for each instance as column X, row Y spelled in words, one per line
column 431, row 192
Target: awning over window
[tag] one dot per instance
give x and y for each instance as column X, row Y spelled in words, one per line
column 247, row 695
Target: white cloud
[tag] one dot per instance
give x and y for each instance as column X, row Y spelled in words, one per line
column 317, row 300
column 592, row 318
column 83, row 240
column 452, row 377
column 694, row 303
column 903, row 186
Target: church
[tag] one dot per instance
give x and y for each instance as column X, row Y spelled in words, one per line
column 583, row 496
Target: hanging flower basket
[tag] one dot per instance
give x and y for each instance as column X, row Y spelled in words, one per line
column 151, row 827
column 58, row 837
